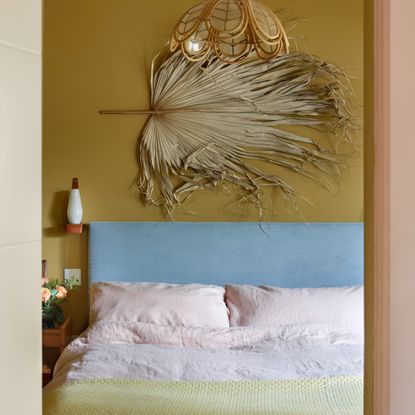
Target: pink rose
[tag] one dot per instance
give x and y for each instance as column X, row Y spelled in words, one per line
column 45, row 294
column 45, row 280
column 61, row 292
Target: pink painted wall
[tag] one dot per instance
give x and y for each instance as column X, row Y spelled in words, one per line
column 402, row 152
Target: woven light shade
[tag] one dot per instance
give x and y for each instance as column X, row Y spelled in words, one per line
column 230, row 28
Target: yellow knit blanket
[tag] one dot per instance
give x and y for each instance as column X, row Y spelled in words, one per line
column 323, row 396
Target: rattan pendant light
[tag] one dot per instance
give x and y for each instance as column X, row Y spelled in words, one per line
column 232, row 29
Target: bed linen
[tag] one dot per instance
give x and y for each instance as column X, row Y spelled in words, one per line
column 319, row 365
column 252, row 306
column 191, row 305
column 149, row 352
column 325, row 396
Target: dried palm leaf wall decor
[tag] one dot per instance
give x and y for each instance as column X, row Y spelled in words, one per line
column 224, row 103
column 211, row 121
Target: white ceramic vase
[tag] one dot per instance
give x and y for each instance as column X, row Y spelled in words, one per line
column 74, row 211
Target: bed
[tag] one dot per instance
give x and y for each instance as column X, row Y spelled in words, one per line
column 262, row 318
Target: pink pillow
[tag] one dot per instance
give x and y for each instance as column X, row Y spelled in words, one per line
column 191, row 305
column 259, row 306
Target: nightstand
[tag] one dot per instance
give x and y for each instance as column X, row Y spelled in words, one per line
column 54, row 342
column 46, row 375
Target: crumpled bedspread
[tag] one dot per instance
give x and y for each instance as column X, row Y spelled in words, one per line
column 144, row 351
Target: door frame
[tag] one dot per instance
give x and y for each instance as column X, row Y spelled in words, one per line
column 377, row 205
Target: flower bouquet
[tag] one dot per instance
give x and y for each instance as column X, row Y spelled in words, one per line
column 54, row 293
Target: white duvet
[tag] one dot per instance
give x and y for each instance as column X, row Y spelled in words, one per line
column 124, row 350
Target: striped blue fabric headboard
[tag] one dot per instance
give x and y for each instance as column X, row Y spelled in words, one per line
column 280, row 254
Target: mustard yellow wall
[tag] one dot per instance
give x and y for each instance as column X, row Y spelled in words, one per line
column 97, row 55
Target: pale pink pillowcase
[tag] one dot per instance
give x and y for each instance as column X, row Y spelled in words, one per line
column 191, row 305
column 259, row 306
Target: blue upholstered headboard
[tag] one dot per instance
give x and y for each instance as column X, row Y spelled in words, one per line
column 280, row 254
